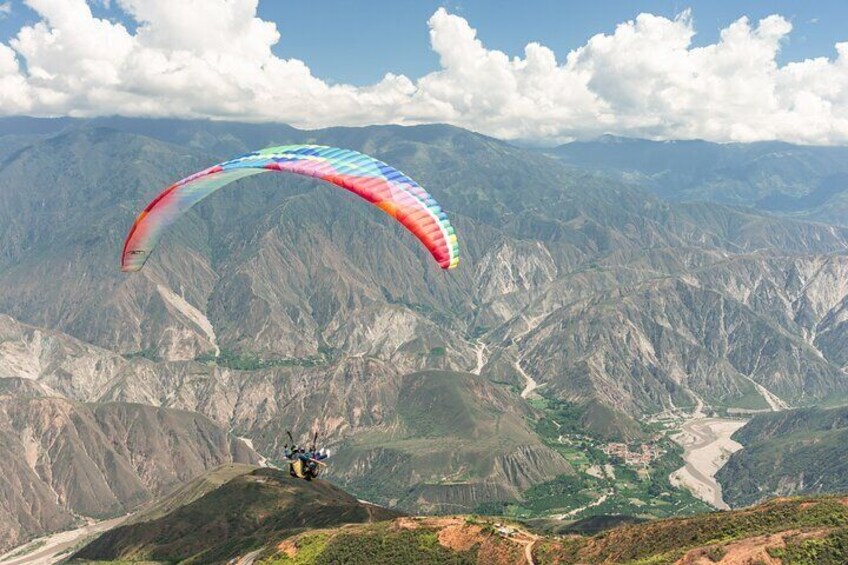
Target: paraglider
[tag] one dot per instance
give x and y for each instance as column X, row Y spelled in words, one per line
column 374, row 181
column 304, row 463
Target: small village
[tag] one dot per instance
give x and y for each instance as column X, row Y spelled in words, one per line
column 640, row 456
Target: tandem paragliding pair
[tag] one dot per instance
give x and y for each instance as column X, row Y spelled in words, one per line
column 374, row 181
column 305, row 463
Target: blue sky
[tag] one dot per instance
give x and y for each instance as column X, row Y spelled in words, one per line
column 544, row 71
column 362, row 32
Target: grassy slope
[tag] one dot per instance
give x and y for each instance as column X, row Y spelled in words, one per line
column 190, row 492
column 797, row 530
column 451, row 429
column 241, row 515
column 420, row 541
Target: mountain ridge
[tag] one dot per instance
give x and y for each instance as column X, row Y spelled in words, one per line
column 63, row 459
column 236, row 516
column 794, row 180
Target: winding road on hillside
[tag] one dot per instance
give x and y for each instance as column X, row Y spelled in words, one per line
column 250, row 558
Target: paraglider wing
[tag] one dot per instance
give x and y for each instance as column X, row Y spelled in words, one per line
column 378, row 183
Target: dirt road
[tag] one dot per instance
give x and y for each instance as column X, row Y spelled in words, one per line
column 249, row 558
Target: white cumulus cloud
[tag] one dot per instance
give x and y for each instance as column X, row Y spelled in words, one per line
column 644, row 79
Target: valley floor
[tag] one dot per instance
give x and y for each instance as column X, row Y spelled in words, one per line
column 54, row 548
column 707, row 446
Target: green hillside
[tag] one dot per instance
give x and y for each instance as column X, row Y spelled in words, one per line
column 462, row 439
column 716, row 536
column 795, row 452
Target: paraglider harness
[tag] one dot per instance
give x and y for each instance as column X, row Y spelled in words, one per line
column 304, row 464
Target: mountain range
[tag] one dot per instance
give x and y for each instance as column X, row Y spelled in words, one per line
column 800, row 181
column 281, row 304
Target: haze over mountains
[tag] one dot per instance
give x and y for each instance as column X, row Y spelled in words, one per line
column 327, row 317
column 805, row 182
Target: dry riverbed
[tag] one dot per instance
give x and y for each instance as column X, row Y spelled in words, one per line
column 707, row 446
column 54, row 548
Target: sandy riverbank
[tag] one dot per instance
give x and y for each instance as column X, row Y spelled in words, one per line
column 54, row 548
column 707, row 446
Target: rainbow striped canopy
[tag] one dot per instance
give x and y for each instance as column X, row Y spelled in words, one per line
column 387, row 188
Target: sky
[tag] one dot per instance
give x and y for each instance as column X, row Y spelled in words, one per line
column 543, row 71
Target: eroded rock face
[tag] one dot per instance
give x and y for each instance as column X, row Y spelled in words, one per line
column 509, row 278
column 681, row 341
column 61, row 459
column 66, row 365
